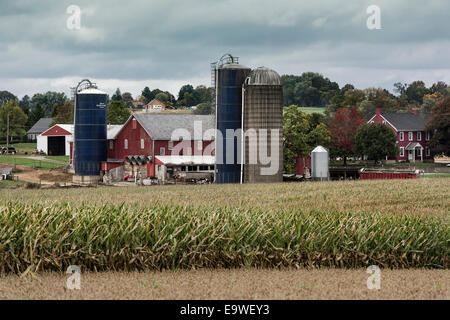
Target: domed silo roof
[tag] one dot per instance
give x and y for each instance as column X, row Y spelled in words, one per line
column 265, row 77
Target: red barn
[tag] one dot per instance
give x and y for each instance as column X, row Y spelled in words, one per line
column 412, row 139
column 142, row 145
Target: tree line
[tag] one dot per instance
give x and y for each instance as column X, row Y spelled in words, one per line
column 345, row 108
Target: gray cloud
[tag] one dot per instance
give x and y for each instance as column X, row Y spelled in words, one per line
column 128, row 44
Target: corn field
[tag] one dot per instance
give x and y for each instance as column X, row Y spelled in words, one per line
column 44, row 236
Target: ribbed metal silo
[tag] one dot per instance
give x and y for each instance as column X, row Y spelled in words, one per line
column 319, row 163
column 230, row 77
column 263, row 109
column 90, row 132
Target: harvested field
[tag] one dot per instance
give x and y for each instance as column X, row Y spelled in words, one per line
column 232, row 284
column 425, row 196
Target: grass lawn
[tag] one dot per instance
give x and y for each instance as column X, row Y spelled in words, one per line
column 9, row 159
column 10, row 183
column 437, row 175
column 23, row 147
column 312, row 109
column 59, row 158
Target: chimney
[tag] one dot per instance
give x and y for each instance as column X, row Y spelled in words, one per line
column 378, row 111
column 415, row 111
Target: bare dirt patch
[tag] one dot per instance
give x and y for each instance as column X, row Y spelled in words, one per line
column 232, row 284
column 29, row 174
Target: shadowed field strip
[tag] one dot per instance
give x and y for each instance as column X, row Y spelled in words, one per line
column 232, row 284
column 422, row 196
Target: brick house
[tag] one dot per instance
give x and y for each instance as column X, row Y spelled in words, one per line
column 145, row 145
column 412, row 138
column 155, row 105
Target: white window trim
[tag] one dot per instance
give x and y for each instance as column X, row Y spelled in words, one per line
column 125, row 144
column 170, row 145
column 402, row 136
column 142, row 144
column 419, row 136
column 410, row 136
column 199, row 145
column 162, row 151
column 111, row 144
column 427, row 136
column 402, row 151
column 427, row 151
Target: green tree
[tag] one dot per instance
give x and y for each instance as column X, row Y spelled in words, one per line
column 117, row 112
column 439, row 126
column 117, row 96
column 162, row 96
column 36, row 114
column 64, row 114
column 376, row 141
column 17, row 119
column 295, row 136
column 6, row 96
column 319, row 136
column 147, row 94
column 49, row 101
column 415, row 92
column 204, row 108
column 185, row 89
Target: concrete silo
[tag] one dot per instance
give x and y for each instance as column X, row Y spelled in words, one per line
column 263, row 115
column 319, row 163
column 229, row 77
column 89, row 133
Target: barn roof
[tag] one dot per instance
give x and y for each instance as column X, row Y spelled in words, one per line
column 40, row 126
column 161, row 126
column 407, row 121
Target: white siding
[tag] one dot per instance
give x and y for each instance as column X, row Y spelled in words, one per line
column 42, row 143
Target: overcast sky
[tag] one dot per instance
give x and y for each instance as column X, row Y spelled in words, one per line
column 167, row 43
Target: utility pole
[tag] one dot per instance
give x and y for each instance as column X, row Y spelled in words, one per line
column 7, row 133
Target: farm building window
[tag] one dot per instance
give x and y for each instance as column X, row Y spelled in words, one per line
column 427, row 136
column 402, row 151
column 162, row 151
column 134, row 124
column 203, row 168
column 410, row 136
column 402, row 136
column 125, row 144
column 419, row 136
column 170, row 145
column 111, row 144
column 199, row 145
column 142, row 144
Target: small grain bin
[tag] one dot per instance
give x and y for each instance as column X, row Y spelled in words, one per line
column 319, row 163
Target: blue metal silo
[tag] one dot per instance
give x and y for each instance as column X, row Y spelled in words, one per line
column 90, row 131
column 229, row 78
